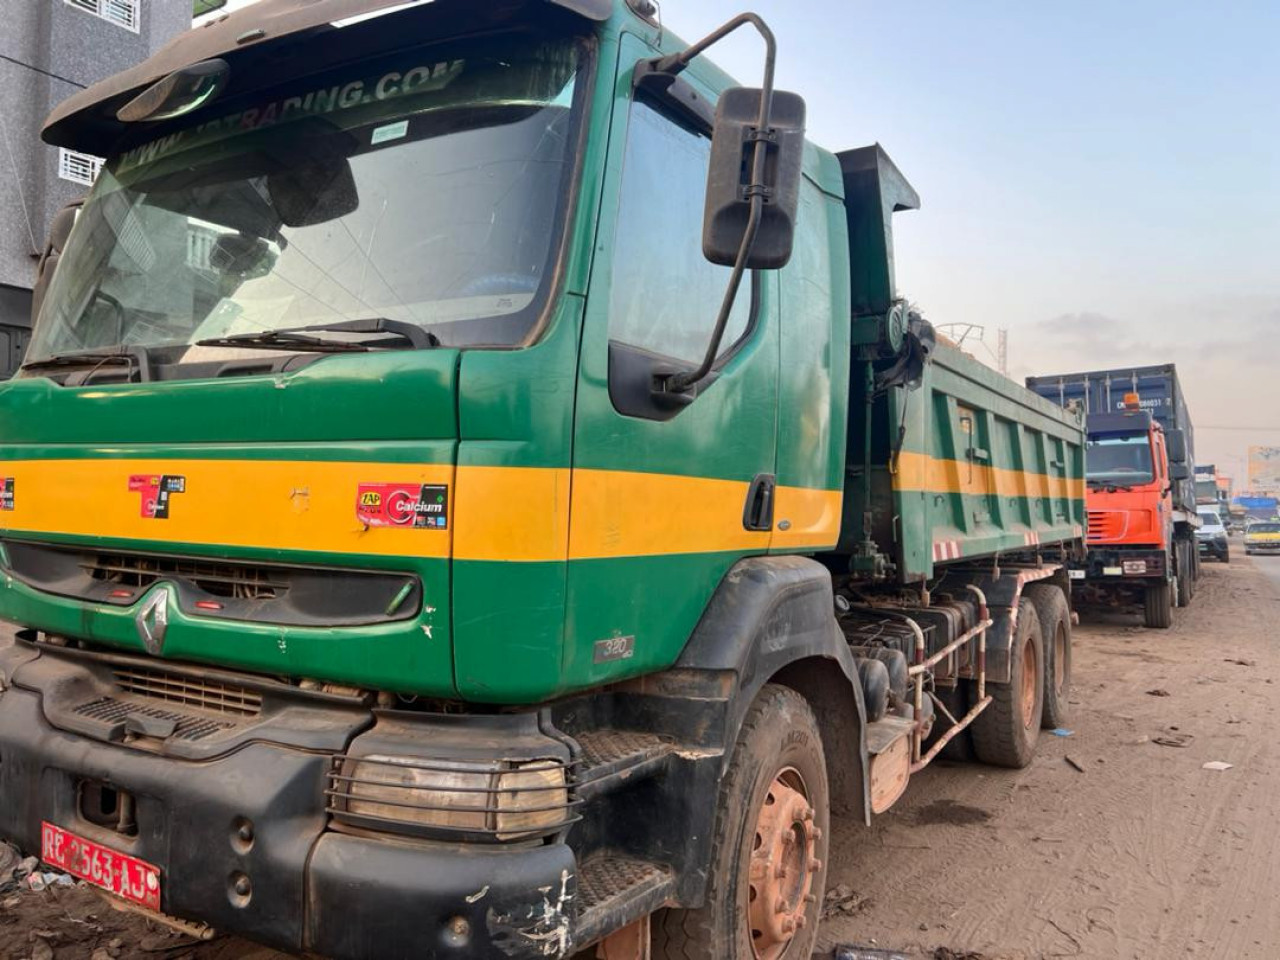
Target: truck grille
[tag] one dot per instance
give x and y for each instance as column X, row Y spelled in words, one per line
column 205, row 694
column 244, row 590
column 220, row 579
column 1106, row 525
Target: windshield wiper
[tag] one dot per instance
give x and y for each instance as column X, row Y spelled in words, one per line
column 130, row 355
column 280, row 340
column 407, row 336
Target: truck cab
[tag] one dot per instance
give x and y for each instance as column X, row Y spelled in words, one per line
column 1132, row 549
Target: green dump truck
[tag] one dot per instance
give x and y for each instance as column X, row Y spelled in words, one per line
column 475, row 491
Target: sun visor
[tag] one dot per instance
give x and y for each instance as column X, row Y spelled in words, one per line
column 275, row 40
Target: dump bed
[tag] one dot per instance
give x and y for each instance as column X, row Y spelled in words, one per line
column 952, row 462
column 969, row 465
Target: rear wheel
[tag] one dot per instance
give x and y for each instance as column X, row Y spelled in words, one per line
column 1158, row 605
column 1186, row 577
column 1055, row 630
column 1005, row 733
column 768, row 860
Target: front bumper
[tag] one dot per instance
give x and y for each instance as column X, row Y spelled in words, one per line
column 1216, row 547
column 1112, row 566
column 1263, row 546
column 311, row 889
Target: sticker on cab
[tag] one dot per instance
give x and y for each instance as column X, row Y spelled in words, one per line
column 6, row 493
column 424, row 506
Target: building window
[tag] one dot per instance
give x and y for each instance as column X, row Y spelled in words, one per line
column 123, row 13
column 78, row 167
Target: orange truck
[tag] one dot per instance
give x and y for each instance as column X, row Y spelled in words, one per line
column 1134, row 551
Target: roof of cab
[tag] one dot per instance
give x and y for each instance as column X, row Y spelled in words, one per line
column 81, row 121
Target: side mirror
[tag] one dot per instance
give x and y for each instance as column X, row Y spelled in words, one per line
column 732, row 185
column 59, row 233
column 1179, row 471
column 1175, row 443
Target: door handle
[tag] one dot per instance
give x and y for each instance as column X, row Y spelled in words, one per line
column 758, row 512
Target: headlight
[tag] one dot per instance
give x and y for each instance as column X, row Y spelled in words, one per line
column 502, row 800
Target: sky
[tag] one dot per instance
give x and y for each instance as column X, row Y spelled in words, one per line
column 1101, row 179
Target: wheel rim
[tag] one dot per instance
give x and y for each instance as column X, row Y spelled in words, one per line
column 784, row 863
column 1059, row 660
column 1029, row 670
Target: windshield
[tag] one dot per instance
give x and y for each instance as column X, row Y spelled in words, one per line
column 1210, row 519
column 1264, row 528
column 1123, row 460
column 425, row 190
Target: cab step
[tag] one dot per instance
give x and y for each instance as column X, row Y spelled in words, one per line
column 614, row 758
column 616, row 891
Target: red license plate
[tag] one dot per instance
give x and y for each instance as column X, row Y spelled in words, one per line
column 117, row 873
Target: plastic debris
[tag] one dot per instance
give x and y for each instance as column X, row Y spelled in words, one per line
column 1217, row 765
column 867, row 953
column 1063, row 732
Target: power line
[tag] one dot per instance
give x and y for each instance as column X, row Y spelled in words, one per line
column 52, row 76
column 1210, row 426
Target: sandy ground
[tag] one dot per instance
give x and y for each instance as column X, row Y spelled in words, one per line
column 1144, row 855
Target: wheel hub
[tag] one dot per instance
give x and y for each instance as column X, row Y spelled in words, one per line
column 1029, row 670
column 784, row 863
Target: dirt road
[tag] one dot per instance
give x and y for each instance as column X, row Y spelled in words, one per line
column 1143, row 855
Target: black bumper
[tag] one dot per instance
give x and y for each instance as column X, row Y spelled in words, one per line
column 1112, row 566
column 1214, row 548
column 310, row 889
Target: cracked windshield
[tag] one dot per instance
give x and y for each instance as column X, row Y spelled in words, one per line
column 409, row 206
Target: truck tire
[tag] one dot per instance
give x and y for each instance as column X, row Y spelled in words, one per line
column 1055, row 632
column 1157, row 611
column 1185, row 574
column 1005, row 734
column 773, row 812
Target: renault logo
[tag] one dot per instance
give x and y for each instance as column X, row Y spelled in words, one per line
column 152, row 621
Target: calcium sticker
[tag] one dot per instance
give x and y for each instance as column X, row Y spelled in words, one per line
column 424, row 506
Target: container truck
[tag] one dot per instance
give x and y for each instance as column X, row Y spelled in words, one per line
column 476, row 491
column 1142, row 495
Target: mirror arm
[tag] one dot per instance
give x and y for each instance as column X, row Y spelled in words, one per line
column 673, row 65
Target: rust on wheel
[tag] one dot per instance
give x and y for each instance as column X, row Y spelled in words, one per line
column 1030, row 669
column 1059, row 660
column 784, row 861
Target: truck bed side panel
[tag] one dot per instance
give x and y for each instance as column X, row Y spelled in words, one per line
column 985, row 467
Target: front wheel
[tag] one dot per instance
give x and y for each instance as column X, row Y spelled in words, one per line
column 1157, row 611
column 768, row 859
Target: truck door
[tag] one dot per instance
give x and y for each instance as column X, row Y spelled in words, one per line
column 664, row 490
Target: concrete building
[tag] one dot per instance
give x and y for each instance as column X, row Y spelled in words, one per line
column 49, row 49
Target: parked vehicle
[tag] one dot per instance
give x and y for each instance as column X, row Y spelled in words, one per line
column 1138, row 546
column 1212, row 536
column 1262, row 536
column 418, row 553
